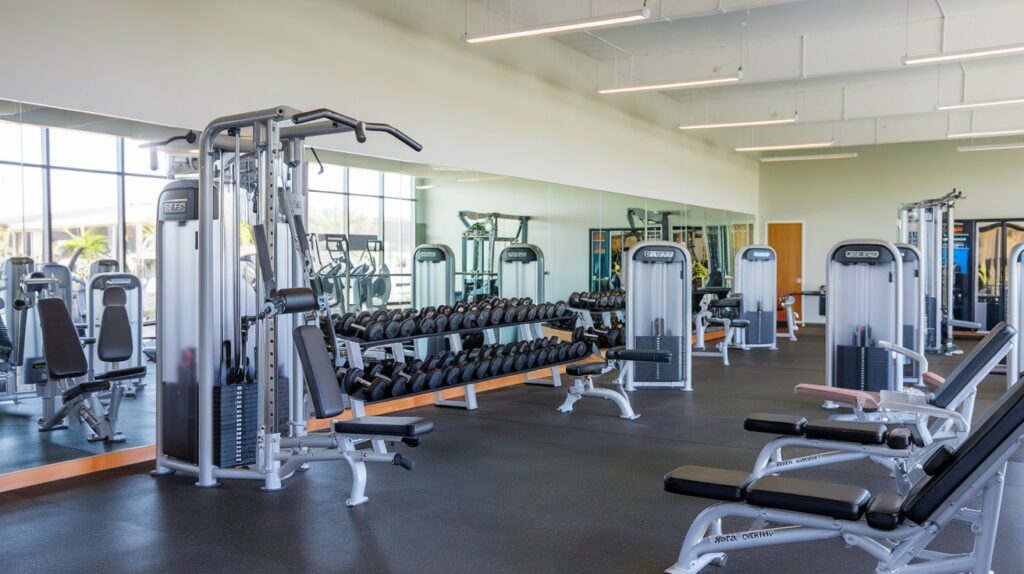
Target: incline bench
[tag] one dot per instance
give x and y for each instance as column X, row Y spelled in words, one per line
column 326, row 398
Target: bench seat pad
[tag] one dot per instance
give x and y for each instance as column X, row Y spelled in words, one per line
column 585, row 369
column 84, row 388
column 847, row 431
column 839, row 501
column 792, row 425
column 403, row 427
column 122, row 374
column 705, row 482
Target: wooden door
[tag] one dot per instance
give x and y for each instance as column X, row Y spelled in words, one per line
column 787, row 239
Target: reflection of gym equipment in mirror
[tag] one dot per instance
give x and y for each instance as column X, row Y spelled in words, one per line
column 929, row 226
column 334, row 267
column 370, row 276
column 43, row 352
column 981, row 275
column 481, row 242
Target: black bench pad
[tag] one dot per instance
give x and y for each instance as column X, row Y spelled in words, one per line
column 792, row 425
column 83, row 388
column 121, row 374
column 883, row 511
column 858, row 432
column 740, row 323
column 705, row 482
column 826, row 499
column 585, row 369
column 403, row 427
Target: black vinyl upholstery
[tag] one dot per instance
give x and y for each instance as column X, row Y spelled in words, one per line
column 61, row 348
column 1003, row 422
column 585, row 369
column 705, row 482
column 82, row 388
column 883, row 511
column 402, row 427
column 122, row 374
column 791, row 425
column 859, row 432
column 836, row 500
column 638, row 355
column 997, row 340
column 324, row 392
column 115, row 341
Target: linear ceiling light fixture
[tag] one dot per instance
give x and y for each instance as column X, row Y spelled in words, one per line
column 992, row 147
column 675, row 85
column 808, row 157
column 981, row 104
column 811, row 145
column 774, row 122
column 565, row 26
column 962, row 135
column 964, row 55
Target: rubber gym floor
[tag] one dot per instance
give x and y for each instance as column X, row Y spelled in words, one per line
column 512, row 487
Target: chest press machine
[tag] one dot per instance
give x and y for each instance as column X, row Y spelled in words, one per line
column 233, row 352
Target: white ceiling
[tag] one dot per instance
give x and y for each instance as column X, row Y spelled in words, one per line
column 838, row 63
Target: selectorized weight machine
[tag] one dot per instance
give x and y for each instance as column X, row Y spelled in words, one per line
column 658, row 293
column 232, row 396
column 754, row 283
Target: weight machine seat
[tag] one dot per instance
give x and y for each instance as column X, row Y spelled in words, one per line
column 62, row 350
column 638, row 355
column 791, row 425
column 114, row 343
column 727, row 302
column 839, row 501
column 85, row 388
column 932, row 381
column 705, row 482
column 401, row 427
column 585, row 369
column 124, row 374
column 865, row 399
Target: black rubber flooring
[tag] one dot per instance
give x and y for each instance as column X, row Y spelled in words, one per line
column 512, row 487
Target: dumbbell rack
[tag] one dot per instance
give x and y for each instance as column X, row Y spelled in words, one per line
column 355, row 350
column 587, row 316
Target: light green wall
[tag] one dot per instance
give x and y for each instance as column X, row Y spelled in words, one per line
column 859, row 198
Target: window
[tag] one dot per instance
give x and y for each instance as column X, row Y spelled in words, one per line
column 368, row 205
column 83, row 218
column 21, row 143
column 83, row 150
column 21, row 219
column 140, row 204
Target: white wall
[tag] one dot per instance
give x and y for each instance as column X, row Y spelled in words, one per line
column 186, row 62
column 859, row 198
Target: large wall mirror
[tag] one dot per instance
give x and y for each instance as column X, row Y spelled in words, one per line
column 80, row 205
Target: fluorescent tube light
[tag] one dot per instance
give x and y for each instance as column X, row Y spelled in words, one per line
column 982, row 104
column 992, row 147
column 740, row 124
column 808, row 157
column 560, row 27
column 964, row 55
column 962, row 135
column 423, row 187
column 812, row 145
column 674, row 85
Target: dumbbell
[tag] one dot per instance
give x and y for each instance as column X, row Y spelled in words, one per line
column 400, row 327
column 375, row 389
column 426, row 325
column 363, row 326
column 579, row 350
column 451, row 376
column 426, row 380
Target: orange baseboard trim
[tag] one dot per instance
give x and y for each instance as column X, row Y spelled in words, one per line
column 78, row 467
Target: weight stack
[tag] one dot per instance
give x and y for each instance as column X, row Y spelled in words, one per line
column 930, row 309
column 660, row 372
column 235, row 425
column 762, row 327
column 862, row 368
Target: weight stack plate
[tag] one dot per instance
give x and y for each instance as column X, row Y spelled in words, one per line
column 660, row 372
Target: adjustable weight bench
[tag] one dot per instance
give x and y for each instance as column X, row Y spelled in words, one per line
column 346, row 436
column 616, row 358
column 114, row 343
column 895, row 530
column 901, row 434
column 66, row 362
